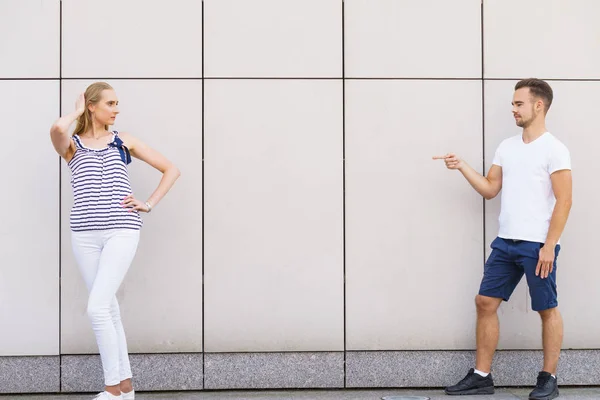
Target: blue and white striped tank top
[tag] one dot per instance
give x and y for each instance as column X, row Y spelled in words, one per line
column 100, row 183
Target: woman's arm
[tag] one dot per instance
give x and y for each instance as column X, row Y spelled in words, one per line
column 152, row 157
column 59, row 133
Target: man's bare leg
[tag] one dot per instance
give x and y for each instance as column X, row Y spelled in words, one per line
column 552, row 337
column 488, row 331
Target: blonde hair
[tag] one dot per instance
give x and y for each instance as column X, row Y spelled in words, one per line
column 93, row 94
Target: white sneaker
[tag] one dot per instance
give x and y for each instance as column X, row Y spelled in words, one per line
column 107, row 396
column 128, row 396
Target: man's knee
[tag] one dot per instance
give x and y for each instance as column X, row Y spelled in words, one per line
column 487, row 304
column 550, row 313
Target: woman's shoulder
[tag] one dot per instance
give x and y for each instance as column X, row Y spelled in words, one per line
column 122, row 134
column 128, row 139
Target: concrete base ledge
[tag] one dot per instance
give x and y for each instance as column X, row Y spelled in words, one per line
column 151, row 372
column 371, row 369
column 290, row 370
column 30, row 374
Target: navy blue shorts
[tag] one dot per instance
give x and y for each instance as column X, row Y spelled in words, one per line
column 510, row 259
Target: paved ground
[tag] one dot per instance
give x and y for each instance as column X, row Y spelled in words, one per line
column 501, row 394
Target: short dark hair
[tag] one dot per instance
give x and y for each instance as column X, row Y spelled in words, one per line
column 537, row 88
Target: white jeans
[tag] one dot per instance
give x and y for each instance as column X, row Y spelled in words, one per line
column 103, row 258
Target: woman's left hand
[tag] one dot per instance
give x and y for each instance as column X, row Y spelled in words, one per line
column 134, row 204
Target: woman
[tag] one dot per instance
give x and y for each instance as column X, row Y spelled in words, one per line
column 105, row 220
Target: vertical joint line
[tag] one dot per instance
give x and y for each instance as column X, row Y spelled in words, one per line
column 60, row 375
column 202, row 212
column 483, row 122
column 344, row 182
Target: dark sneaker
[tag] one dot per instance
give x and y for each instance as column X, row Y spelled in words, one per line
column 546, row 388
column 472, row 384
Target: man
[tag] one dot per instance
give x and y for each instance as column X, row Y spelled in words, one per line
column 534, row 171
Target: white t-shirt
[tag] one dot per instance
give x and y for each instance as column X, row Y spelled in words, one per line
column 527, row 198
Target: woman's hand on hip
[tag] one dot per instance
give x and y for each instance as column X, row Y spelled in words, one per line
column 134, row 204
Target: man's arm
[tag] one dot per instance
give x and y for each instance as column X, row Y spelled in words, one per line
column 562, row 188
column 488, row 187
